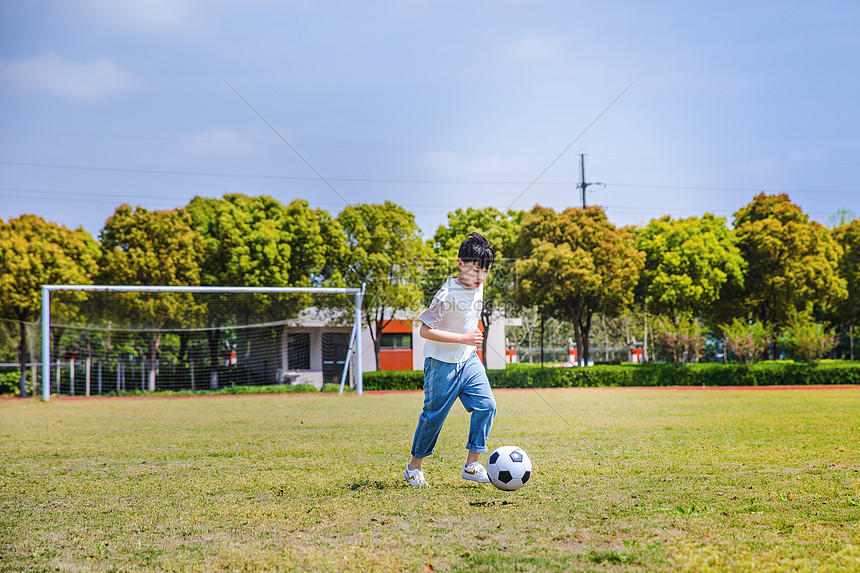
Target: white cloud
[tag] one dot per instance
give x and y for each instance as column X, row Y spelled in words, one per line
column 177, row 17
column 218, row 141
column 535, row 50
column 73, row 80
column 158, row 15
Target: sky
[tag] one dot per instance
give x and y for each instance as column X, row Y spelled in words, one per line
column 680, row 108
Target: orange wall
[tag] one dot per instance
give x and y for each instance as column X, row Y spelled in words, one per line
column 401, row 358
column 395, row 359
column 398, row 327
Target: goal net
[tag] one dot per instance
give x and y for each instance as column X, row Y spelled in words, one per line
column 120, row 339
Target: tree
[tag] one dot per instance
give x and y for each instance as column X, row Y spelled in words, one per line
column 792, row 262
column 746, row 341
column 848, row 313
column 156, row 248
column 681, row 337
column 688, row 262
column 34, row 252
column 260, row 242
column 501, row 230
column 805, row 339
column 576, row 263
column 841, row 218
column 388, row 255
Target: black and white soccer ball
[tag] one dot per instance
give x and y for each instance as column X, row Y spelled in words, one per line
column 509, row 468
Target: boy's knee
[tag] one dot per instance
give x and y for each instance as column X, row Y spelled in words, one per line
column 483, row 405
column 489, row 407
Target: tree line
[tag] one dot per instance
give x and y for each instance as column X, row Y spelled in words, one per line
column 771, row 283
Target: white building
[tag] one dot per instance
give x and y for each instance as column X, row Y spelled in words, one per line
column 314, row 348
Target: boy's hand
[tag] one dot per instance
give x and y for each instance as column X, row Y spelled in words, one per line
column 473, row 338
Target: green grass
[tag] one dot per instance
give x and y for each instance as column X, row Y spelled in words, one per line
column 642, row 479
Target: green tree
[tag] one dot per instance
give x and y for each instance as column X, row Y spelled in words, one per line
column 746, row 341
column 501, row 230
column 805, row 339
column 848, row 313
column 388, row 255
column 8, row 339
column 260, row 242
column 156, row 248
column 840, row 218
column 687, row 263
column 681, row 337
column 792, row 262
column 34, row 252
column 574, row 264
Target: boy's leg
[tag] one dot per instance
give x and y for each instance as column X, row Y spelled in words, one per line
column 477, row 397
column 440, row 392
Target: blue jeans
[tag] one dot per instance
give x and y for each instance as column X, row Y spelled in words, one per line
column 443, row 384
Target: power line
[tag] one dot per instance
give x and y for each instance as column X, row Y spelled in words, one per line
column 296, row 151
column 378, row 180
column 75, row 194
column 172, row 201
column 734, row 189
column 346, row 147
column 382, row 148
column 565, row 150
column 262, row 176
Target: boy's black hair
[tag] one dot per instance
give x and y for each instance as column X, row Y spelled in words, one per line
column 477, row 249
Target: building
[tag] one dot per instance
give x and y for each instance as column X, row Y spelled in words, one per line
column 314, row 348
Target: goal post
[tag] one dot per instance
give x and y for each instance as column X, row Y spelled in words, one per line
column 355, row 337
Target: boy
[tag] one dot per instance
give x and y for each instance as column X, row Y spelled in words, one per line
column 451, row 366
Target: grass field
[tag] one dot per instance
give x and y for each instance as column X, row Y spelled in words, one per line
column 631, row 480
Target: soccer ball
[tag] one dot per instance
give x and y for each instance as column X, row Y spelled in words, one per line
column 509, row 468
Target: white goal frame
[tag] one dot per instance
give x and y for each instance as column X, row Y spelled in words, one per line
column 355, row 341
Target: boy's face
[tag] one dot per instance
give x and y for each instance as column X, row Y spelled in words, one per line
column 471, row 274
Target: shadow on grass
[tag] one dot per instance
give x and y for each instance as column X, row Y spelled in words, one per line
column 513, row 559
column 367, row 484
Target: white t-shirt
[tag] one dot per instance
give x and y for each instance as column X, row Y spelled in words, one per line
column 455, row 308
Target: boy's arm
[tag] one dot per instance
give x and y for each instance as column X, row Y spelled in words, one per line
column 471, row 338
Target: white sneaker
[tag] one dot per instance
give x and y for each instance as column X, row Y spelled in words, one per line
column 475, row 472
column 415, row 478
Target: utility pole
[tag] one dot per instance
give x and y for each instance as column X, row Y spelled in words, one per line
column 582, row 184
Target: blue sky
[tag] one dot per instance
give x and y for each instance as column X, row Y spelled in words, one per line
column 431, row 104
